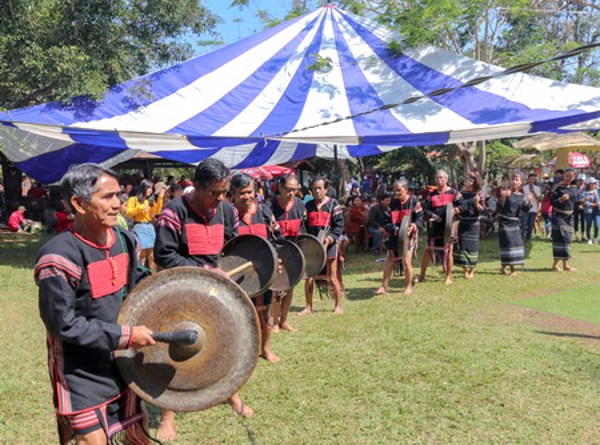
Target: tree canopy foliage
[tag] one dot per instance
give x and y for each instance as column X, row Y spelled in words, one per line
column 58, row 49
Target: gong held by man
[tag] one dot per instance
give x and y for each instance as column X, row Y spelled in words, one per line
column 172, row 337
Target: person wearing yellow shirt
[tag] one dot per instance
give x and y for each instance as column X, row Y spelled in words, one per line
column 142, row 208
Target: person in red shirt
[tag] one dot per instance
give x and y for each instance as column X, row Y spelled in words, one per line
column 17, row 221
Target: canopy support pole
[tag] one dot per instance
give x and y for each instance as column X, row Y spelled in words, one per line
column 336, row 170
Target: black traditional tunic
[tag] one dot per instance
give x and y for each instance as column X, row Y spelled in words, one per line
column 398, row 211
column 326, row 216
column 187, row 238
column 562, row 220
column 466, row 247
column 81, row 288
column 435, row 204
column 291, row 218
column 512, row 250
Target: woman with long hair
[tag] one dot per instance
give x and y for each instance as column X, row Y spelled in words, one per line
column 142, row 207
column 466, row 248
column 513, row 203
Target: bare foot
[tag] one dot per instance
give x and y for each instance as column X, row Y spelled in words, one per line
column 275, row 329
column 503, row 271
column 286, row 327
column 448, row 281
column 338, row 310
column 381, row 291
column 421, row 280
column 269, row 356
column 408, row 291
column 305, row 311
column 513, row 273
column 570, row 269
column 556, row 269
column 166, row 430
column 240, row 407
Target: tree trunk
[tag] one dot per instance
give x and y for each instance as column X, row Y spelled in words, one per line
column 482, row 153
column 452, row 154
column 466, row 152
column 12, row 185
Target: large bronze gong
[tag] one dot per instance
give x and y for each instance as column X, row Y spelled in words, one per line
column 293, row 265
column 315, row 254
column 256, row 250
column 224, row 346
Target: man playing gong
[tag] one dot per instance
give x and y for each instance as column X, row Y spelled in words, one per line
column 324, row 218
column 289, row 211
column 402, row 206
column 256, row 219
column 434, row 209
column 83, row 275
column 192, row 231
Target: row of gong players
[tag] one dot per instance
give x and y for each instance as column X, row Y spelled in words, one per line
column 203, row 229
column 99, row 313
column 85, row 274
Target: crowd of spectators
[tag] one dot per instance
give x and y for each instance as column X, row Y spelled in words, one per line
column 366, row 201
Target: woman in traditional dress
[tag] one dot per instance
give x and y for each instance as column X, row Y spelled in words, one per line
column 466, row 248
column 513, row 203
column 565, row 198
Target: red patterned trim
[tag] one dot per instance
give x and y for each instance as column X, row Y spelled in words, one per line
column 57, row 263
column 100, row 405
column 126, row 337
column 168, row 218
column 83, row 420
column 56, row 366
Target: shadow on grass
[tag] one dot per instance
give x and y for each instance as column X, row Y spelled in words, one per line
column 361, row 294
column 568, row 334
column 19, row 250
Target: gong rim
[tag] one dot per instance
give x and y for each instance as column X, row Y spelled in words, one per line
column 448, row 224
column 230, row 332
column 403, row 234
column 314, row 254
column 290, row 254
column 260, row 252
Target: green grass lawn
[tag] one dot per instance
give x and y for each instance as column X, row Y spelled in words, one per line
column 445, row 365
column 581, row 303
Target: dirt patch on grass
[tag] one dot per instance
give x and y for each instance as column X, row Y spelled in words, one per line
column 545, row 323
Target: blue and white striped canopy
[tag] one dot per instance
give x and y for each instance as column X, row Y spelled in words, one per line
column 261, row 101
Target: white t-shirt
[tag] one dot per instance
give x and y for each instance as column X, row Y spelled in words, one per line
column 534, row 203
